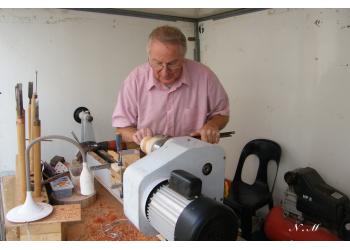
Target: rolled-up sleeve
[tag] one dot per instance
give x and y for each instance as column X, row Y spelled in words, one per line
column 217, row 98
column 125, row 111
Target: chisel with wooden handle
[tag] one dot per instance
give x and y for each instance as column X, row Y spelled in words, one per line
column 20, row 124
column 37, row 152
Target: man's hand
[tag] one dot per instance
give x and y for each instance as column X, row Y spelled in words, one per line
column 208, row 133
column 139, row 134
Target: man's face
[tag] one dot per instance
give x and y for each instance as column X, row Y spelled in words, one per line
column 166, row 61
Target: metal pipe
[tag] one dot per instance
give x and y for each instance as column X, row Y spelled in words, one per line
column 197, row 46
column 123, row 12
column 230, row 13
column 60, row 137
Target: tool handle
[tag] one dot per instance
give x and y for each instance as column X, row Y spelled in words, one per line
column 111, row 145
column 20, row 166
column 222, row 135
column 37, row 160
column 107, row 145
column 104, row 145
column 227, row 134
column 118, row 142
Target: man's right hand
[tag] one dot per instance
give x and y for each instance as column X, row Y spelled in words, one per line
column 139, row 134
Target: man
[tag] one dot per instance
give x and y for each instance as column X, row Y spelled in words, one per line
column 170, row 95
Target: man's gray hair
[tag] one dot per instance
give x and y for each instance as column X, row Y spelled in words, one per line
column 168, row 34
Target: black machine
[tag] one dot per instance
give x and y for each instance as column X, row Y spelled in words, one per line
column 309, row 197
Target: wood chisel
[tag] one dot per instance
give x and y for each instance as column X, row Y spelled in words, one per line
column 118, row 142
column 37, row 151
column 32, row 109
column 20, row 167
column 222, row 134
column 30, row 95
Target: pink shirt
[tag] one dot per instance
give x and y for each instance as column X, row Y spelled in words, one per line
column 184, row 108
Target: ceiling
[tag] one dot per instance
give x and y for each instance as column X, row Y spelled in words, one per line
column 187, row 13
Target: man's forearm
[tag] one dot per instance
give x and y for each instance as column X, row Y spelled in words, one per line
column 218, row 121
column 126, row 133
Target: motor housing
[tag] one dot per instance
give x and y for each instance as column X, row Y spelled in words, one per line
column 157, row 209
column 177, row 217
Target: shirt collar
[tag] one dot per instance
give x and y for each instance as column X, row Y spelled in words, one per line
column 184, row 79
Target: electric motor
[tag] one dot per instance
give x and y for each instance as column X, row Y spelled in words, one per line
column 179, row 217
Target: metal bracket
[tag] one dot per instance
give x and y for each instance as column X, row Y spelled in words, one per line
column 98, row 167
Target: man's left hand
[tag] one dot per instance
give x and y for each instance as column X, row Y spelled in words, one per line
column 208, row 133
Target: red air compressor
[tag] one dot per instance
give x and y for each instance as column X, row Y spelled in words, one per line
column 311, row 210
column 280, row 227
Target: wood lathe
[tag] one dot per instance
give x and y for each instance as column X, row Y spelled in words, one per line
column 176, row 190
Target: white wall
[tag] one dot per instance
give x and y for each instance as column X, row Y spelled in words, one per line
column 82, row 58
column 287, row 72
column 287, row 75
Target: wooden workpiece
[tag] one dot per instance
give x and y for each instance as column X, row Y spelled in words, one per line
column 127, row 159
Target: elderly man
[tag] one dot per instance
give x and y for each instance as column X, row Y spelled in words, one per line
column 170, row 95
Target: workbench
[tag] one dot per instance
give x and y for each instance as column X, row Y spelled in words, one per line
column 87, row 225
column 104, row 211
column 51, row 227
column 101, row 219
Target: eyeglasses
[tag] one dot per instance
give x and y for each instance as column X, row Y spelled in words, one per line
column 159, row 65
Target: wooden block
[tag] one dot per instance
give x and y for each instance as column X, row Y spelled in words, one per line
column 127, row 159
column 41, row 229
column 64, row 227
column 42, row 237
column 115, row 169
column 115, row 173
column 12, row 233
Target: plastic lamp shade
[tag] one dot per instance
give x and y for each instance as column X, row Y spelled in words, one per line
column 86, row 181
